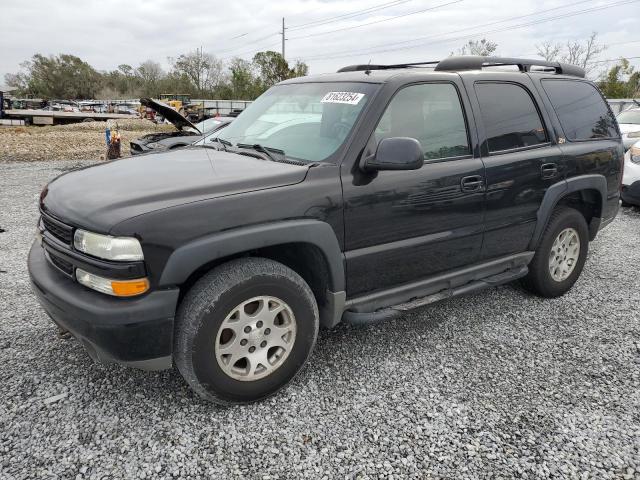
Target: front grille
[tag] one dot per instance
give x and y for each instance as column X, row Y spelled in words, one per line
column 135, row 146
column 62, row 265
column 59, row 230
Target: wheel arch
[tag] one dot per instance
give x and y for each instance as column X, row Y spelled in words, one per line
column 585, row 193
column 309, row 247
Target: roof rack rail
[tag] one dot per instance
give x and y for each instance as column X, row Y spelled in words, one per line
column 475, row 62
column 358, row 68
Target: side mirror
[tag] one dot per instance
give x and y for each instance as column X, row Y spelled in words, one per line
column 397, row 153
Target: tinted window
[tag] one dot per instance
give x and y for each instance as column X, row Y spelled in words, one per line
column 431, row 113
column 581, row 109
column 510, row 117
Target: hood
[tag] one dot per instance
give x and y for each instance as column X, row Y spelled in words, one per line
column 179, row 120
column 101, row 196
column 156, row 137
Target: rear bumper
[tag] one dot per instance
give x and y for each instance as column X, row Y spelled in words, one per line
column 137, row 332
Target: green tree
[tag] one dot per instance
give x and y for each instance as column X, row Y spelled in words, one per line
column 273, row 68
column 243, row 81
column 621, row 81
column 62, row 76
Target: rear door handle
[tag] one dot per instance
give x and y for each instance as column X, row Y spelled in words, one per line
column 473, row 183
column 549, row 170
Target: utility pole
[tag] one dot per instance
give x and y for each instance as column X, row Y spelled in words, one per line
column 283, row 39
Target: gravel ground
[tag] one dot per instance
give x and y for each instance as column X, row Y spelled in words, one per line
column 499, row 384
column 68, row 142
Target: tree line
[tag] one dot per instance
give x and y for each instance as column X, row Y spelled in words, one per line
column 621, row 80
column 206, row 76
column 196, row 73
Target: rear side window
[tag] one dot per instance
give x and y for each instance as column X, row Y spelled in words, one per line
column 582, row 111
column 511, row 119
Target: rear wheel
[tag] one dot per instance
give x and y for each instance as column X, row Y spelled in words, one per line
column 560, row 257
column 244, row 330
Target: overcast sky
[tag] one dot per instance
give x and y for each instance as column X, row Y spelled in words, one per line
column 107, row 33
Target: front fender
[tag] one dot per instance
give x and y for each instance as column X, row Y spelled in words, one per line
column 188, row 258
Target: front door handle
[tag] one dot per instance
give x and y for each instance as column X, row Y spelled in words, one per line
column 548, row 170
column 473, row 183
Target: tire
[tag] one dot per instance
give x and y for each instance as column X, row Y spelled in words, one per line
column 210, row 303
column 540, row 280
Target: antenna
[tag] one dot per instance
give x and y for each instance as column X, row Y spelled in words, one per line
column 368, row 70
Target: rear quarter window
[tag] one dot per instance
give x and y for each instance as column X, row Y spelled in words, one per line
column 583, row 113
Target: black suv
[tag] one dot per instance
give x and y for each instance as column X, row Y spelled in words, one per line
column 350, row 196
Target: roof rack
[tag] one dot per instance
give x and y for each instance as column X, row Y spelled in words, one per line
column 474, row 62
column 357, row 68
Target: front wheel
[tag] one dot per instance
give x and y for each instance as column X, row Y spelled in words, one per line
column 560, row 257
column 244, row 330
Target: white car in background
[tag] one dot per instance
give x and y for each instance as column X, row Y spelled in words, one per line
column 629, row 123
column 631, row 178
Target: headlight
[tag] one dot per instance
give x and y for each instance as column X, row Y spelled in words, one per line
column 634, row 153
column 107, row 247
column 634, row 134
column 156, row 146
column 117, row 288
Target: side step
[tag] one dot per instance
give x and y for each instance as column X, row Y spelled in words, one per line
column 368, row 318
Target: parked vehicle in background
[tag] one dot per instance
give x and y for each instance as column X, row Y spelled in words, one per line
column 177, row 101
column 629, row 123
column 186, row 134
column 352, row 196
column 631, row 180
column 199, row 110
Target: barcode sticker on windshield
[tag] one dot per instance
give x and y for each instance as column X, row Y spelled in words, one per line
column 349, row 98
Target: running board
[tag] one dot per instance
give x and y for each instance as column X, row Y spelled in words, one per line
column 367, row 318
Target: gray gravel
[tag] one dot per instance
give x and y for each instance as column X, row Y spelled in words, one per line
column 499, row 384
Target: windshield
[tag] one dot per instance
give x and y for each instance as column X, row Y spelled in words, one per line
column 307, row 121
column 210, row 137
column 630, row 116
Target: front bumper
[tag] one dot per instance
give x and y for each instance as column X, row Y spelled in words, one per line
column 628, row 142
column 137, row 332
column 631, row 193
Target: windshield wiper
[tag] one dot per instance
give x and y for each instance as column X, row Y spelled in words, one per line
column 262, row 149
column 222, row 141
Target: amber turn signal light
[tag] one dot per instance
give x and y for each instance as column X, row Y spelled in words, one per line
column 129, row 288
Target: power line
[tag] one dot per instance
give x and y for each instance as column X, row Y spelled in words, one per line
column 512, row 27
column 518, row 17
column 254, row 50
column 377, row 21
column 357, row 13
column 249, row 43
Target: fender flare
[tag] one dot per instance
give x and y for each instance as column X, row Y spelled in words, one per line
column 188, row 258
column 561, row 189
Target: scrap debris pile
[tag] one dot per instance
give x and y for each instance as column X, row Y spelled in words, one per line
column 79, row 141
